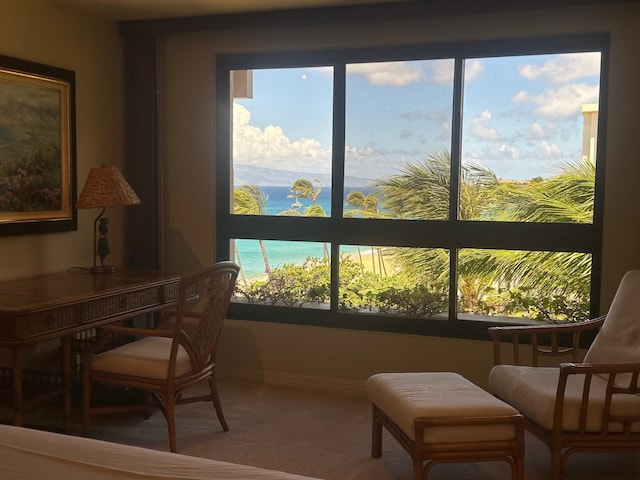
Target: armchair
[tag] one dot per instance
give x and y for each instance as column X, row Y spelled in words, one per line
column 588, row 405
column 165, row 361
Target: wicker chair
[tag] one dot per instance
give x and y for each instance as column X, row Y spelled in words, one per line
column 589, row 406
column 165, row 361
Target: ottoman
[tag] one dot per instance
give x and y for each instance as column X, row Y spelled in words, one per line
column 442, row 417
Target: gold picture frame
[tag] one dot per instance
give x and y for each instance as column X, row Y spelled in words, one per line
column 37, row 148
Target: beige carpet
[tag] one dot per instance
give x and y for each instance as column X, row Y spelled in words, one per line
column 325, row 435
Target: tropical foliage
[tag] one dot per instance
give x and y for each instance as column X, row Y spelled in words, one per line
column 551, row 286
column 309, row 283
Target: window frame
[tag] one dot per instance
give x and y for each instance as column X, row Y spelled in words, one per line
column 451, row 234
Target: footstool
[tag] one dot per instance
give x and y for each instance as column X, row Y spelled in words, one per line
column 442, row 417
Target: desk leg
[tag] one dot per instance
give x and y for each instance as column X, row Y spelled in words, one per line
column 67, row 380
column 16, row 381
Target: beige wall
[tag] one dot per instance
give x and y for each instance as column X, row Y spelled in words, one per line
column 43, row 32
column 283, row 353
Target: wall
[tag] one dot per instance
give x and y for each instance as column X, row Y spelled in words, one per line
column 40, row 31
column 292, row 353
column 43, row 32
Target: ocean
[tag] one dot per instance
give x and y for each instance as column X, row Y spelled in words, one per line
column 281, row 252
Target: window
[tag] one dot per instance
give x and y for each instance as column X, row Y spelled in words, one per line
column 429, row 189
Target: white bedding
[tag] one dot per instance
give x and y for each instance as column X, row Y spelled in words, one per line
column 27, row 454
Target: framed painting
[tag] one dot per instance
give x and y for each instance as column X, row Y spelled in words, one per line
column 37, row 148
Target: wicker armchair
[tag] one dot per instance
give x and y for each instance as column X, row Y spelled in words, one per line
column 165, row 361
column 593, row 405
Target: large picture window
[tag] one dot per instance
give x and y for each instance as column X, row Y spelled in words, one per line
column 428, row 189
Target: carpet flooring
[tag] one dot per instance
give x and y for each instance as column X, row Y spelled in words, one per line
column 323, row 434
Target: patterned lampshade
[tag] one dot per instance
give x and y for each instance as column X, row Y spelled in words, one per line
column 106, row 187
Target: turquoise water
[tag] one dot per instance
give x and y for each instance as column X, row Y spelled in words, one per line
column 281, row 252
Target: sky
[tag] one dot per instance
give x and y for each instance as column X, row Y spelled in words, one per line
column 521, row 115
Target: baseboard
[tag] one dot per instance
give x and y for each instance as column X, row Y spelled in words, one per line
column 293, row 380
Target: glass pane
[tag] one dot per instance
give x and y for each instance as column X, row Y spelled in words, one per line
column 529, row 138
column 410, row 282
column 282, row 128
column 544, row 286
column 275, row 272
column 398, row 134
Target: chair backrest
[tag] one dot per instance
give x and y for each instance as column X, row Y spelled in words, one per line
column 618, row 340
column 215, row 285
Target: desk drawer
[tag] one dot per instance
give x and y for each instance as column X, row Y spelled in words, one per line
column 118, row 304
column 34, row 324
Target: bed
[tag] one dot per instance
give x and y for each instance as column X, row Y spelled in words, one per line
column 26, row 454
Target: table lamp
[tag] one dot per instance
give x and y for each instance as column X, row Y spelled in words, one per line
column 105, row 187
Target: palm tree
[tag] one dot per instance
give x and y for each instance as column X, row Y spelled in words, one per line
column 367, row 205
column 303, row 188
column 421, row 191
column 250, row 200
column 368, row 208
column 565, row 198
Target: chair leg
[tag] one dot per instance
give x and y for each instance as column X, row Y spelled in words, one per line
column 170, row 416
column 418, row 469
column 376, row 435
column 518, row 454
column 216, row 403
column 556, row 463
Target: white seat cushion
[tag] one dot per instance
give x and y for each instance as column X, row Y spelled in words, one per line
column 404, row 397
column 148, row 357
column 532, row 390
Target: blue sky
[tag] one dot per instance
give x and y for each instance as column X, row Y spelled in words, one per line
column 522, row 115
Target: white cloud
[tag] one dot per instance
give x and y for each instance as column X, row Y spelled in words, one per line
column 492, row 152
column 564, row 68
column 480, row 129
column 473, row 69
column 502, row 151
column 400, row 74
column 563, row 102
column 272, row 148
column 536, row 131
column 547, row 149
column 394, row 74
column 443, row 71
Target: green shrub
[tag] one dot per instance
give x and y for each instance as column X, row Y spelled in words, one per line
column 298, row 285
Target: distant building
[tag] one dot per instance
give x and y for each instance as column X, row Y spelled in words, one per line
column 590, row 132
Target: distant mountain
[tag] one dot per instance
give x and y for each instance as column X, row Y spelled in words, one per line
column 271, row 177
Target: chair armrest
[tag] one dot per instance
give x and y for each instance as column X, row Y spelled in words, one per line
column 570, row 368
column 622, row 379
column 532, row 334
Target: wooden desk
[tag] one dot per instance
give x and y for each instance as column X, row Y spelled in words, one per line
column 58, row 305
